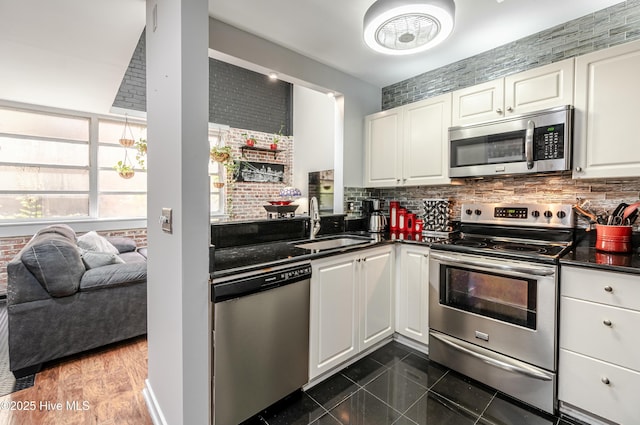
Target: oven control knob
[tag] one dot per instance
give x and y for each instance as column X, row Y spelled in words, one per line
column 469, row 211
column 561, row 214
column 548, row 214
column 478, row 212
column 535, row 214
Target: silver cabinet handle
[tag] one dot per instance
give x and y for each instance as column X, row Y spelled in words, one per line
column 605, row 380
column 509, row 109
column 607, row 322
column 499, row 111
column 608, row 289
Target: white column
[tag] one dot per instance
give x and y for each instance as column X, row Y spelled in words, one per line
column 177, row 388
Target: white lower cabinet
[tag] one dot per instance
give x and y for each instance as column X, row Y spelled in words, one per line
column 412, row 306
column 352, row 306
column 599, row 360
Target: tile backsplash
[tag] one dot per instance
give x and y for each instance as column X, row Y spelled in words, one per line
column 603, row 194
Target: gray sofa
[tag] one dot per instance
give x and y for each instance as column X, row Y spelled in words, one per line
column 62, row 300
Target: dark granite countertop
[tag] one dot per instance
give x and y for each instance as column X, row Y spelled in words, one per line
column 585, row 255
column 259, row 256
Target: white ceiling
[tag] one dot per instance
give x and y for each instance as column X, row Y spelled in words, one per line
column 73, row 53
column 330, row 31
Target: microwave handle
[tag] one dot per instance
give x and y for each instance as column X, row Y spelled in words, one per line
column 528, row 143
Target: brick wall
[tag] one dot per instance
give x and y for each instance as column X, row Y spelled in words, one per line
column 611, row 26
column 132, row 93
column 9, row 248
column 237, row 97
column 603, row 194
column 248, row 198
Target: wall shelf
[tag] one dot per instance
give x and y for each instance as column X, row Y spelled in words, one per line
column 253, row 148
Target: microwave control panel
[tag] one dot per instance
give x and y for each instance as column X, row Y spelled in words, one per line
column 549, row 142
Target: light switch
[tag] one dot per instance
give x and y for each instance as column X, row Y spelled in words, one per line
column 166, row 220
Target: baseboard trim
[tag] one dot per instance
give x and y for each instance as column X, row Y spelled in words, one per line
column 152, row 405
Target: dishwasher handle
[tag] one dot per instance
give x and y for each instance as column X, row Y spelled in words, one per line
column 260, row 280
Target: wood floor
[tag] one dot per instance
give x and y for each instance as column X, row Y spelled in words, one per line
column 102, row 387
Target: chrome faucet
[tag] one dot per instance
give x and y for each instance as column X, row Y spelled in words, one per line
column 314, row 213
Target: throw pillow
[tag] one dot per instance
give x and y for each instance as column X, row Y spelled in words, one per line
column 92, row 241
column 93, row 259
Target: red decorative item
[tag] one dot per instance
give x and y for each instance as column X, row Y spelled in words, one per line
column 251, row 142
column 273, row 146
column 613, row 238
column 402, row 220
column 411, row 218
column 418, row 225
column 393, row 215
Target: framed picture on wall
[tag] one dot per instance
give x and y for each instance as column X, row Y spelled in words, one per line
column 260, row 172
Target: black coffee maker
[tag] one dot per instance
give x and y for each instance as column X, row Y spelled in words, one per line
column 372, row 210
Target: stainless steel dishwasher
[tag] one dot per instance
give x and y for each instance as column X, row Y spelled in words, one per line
column 260, row 340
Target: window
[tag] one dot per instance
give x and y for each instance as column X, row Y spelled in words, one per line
column 118, row 197
column 217, row 136
column 60, row 166
column 44, row 165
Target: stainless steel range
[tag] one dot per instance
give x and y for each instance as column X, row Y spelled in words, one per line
column 493, row 297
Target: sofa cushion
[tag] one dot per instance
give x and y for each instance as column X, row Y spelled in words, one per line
column 92, row 241
column 92, row 259
column 60, row 229
column 113, row 275
column 55, row 261
column 133, row 257
column 122, row 244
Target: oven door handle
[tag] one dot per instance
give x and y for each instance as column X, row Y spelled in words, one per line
column 535, row 271
column 508, row 364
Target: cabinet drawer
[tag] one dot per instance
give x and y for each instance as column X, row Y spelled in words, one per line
column 617, row 289
column 580, row 383
column 583, row 330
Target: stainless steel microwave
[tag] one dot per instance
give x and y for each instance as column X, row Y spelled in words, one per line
column 538, row 142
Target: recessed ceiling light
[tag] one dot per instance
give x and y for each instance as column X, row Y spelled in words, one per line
column 403, row 27
column 331, row 94
column 273, row 76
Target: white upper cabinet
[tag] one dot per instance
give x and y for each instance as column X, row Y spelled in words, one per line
column 407, row 146
column 529, row 91
column 482, row 102
column 607, row 104
column 383, row 134
column 425, row 151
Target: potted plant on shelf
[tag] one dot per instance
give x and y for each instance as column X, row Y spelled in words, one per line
column 124, row 170
column 276, row 139
column 249, row 141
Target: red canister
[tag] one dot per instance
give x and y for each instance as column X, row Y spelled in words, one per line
column 402, row 219
column 411, row 219
column 394, row 206
column 417, row 227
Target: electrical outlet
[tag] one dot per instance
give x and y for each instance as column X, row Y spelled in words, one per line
column 166, row 220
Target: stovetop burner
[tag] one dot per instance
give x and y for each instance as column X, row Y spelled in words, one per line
column 524, row 231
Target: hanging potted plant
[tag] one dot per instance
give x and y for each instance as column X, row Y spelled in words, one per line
column 220, row 154
column 124, row 170
column 141, row 152
column 126, row 139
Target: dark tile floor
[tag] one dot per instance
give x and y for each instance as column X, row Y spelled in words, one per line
column 398, row 385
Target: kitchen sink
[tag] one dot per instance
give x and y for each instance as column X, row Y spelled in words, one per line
column 333, row 243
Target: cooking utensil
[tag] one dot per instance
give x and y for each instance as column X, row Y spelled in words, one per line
column 630, row 213
column 617, row 213
column 586, row 214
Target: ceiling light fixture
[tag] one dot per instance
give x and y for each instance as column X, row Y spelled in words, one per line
column 403, row 27
column 273, row 76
